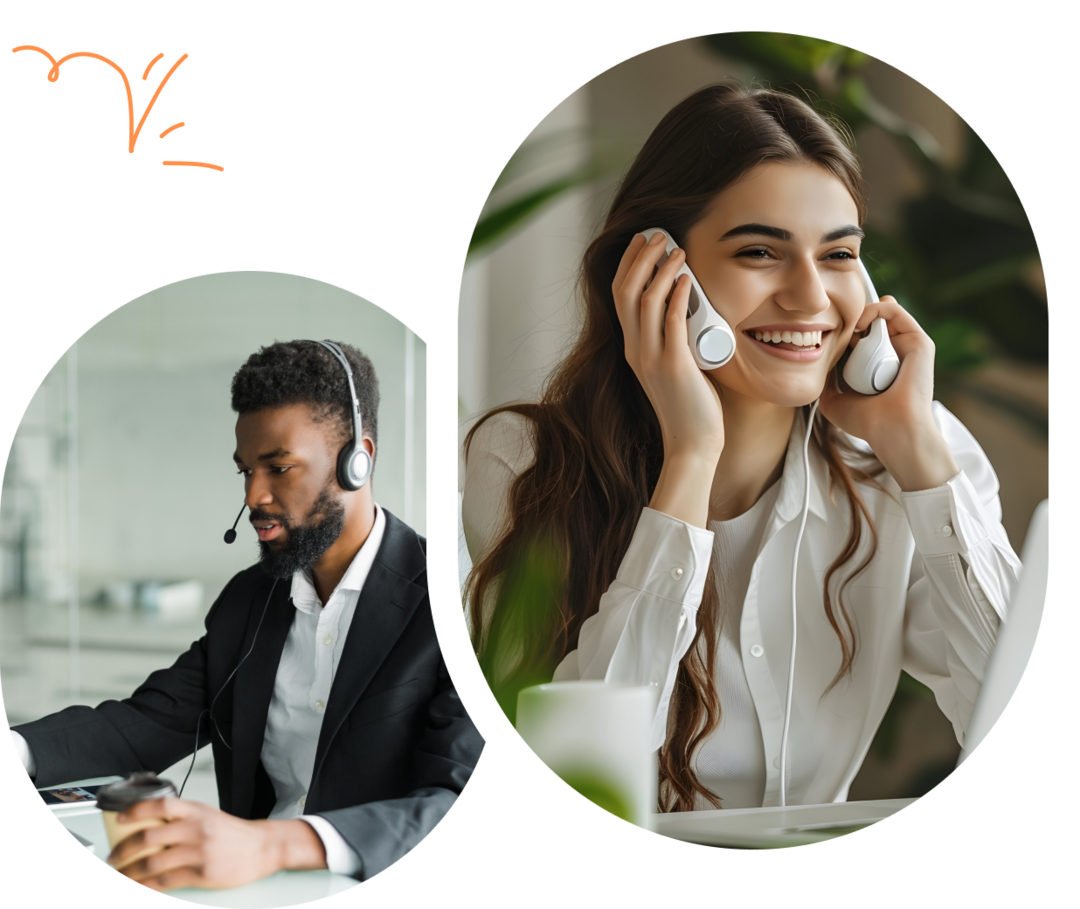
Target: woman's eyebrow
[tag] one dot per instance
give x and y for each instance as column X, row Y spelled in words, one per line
column 761, row 230
column 778, row 233
column 848, row 230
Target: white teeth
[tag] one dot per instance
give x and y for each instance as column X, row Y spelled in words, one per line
column 798, row 338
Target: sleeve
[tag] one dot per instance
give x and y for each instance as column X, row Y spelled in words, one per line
column 25, row 755
column 340, row 857
column 381, row 832
column 648, row 616
column 501, row 450
column 962, row 577
column 151, row 730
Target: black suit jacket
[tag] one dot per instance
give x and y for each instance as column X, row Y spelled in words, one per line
column 396, row 745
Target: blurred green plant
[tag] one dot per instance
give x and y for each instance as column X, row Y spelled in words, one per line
column 526, row 609
column 539, row 173
column 961, row 257
column 600, row 791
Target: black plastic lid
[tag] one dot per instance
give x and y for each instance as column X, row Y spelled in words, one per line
column 138, row 787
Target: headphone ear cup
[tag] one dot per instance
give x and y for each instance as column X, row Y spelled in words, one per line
column 353, row 467
column 360, row 467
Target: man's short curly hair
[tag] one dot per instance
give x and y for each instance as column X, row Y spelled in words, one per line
column 305, row 372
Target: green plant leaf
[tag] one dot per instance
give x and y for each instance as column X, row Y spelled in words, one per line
column 499, row 224
column 600, row 791
column 960, row 344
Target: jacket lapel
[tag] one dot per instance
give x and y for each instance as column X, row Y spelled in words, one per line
column 255, row 687
column 395, row 587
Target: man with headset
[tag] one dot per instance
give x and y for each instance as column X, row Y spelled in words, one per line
column 319, row 680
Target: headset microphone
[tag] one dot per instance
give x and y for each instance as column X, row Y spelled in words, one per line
column 230, row 534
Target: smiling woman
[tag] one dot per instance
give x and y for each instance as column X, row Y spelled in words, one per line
column 668, row 504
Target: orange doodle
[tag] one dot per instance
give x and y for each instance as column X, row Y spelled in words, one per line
column 133, row 130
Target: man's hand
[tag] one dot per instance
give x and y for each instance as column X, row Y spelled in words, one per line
column 204, row 847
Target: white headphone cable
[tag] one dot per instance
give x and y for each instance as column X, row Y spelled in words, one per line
column 794, row 611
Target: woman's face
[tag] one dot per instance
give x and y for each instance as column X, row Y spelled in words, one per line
column 777, row 252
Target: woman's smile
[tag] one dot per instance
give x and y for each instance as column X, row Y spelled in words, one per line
column 797, row 342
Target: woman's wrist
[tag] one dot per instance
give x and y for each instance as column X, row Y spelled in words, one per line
column 918, row 459
column 682, row 491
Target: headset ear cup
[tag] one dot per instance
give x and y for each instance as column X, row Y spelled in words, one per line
column 353, row 467
column 360, row 467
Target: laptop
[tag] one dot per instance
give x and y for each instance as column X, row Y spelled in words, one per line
column 1016, row 637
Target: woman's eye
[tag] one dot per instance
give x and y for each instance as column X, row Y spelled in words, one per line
column 841, row 254
column 756, row 253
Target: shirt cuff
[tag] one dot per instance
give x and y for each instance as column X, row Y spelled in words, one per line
column 340, row 857
column 667, row 558
column 947, row 519
column 22, row 749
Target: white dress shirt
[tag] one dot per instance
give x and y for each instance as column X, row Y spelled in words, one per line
column 305, row 674
column 929, row 602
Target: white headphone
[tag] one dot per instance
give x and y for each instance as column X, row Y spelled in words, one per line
column 712, row 342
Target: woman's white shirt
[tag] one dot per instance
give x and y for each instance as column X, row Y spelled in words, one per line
column 929, row 602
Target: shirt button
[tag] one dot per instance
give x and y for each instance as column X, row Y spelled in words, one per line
column 946, row 531
column 328, row 640
column 757, row 650
column 303, row 801
column 320, row 706
column 676, row 573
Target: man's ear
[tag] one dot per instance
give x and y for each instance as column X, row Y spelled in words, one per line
column 369, row 446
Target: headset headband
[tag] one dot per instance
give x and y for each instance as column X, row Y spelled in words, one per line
column 354, row 463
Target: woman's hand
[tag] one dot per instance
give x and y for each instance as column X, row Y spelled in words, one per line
column 897, row 424
column 652, row 312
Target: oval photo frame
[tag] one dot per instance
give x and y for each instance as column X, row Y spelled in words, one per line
column 447, row 266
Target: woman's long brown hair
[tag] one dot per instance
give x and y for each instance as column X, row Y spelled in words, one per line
column 597, row 439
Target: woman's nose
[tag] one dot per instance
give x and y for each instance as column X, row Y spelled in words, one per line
column 803, row 290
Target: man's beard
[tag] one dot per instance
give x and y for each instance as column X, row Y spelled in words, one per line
column 305, row 543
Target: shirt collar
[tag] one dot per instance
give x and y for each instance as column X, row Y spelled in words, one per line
column 793, row 485
column 303, row 593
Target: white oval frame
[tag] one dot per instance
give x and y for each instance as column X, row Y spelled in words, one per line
column 444, row 283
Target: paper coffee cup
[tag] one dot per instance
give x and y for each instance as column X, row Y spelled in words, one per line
column 595, row 736
column 117, row 797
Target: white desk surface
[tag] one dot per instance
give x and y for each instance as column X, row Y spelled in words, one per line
column 286, row 888
column 769, row 828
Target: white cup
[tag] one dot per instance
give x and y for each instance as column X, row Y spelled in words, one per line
column 595, row 736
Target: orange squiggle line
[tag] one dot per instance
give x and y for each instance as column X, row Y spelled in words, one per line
column 153, row 100
column 170, row 129
column 133, row 131
column 150, row 66
column 195, row 164
column 54, row 74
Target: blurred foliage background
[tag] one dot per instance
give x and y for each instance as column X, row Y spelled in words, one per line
column 946, row 235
